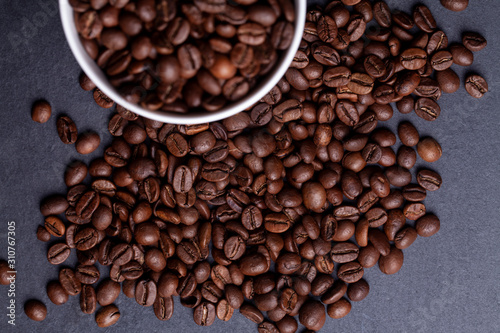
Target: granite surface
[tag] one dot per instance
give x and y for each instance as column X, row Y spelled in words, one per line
column 448, row 283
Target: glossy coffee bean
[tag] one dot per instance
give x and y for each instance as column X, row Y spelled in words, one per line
column 41, row 111
column 35, row 310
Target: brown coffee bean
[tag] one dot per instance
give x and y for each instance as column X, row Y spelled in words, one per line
column 476, row 86
column 204, row 314
column 474, row 41
column 429, row 150
column 427, row 225
column 391, row 263
column 430, row 180
column 66, row 129
column 56, row 293
column 35, row 310
column 107, row 316
column 87, row 142
column 350, row 272
column 41, row 111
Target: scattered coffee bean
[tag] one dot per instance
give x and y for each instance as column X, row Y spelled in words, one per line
column 41, row 112
column 455, row 5
column 35, row 310
column 429, row 150
column 87, row 142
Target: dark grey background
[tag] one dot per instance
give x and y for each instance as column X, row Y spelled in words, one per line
column 449, row 282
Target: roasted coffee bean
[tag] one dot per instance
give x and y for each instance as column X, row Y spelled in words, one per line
column 429, row 180
column 424, row 19
column 312, row 315
column 107, row 316
column 413, row 59
column 69, row 282
column 87, row 274
column 476, row 86
column 455, row 5
column 339, row 309
column 427, row 225
column 41, row 111
column 429, row 150
column 350, row 272
column 391, row 263
column 462, row 56
column 88, row 299
column 145, row 292
column 427, row 109
column 35, row 310
column 204, row 314
column 67, row 130
column 56, row 293
column 58, row 253
column 55, row 226
column 474, row 41
column 358, row 291
column 344, row 252
column 441, row 60
column 448, row 80
column 42, row 234
column 87, row 142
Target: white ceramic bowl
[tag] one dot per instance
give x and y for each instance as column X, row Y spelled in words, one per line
column 260, row 90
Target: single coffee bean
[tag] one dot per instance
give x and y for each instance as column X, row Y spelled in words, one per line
column 413, row 211
column 358, row 291
column 344, row 252
column 427, row 225
column 87, row 143
column 474, row 41
column 462, row 56
column 41, row 112
column 87, row 274
column 55, row 226
column 69, row 281
column 339, row 309
column 424, row 19
column 405, row 237
column 427, row 109
column 455, row 5
column 145, row 292
column 99, row 97
column 163, row 307
column 58, row 253
column 441, row 60
column 35, row 310
column 448, row 80
column 312, row 315
column 88, row 299
column 408, row 134
column 391, row 263
column 413, row 58
column 56, row 293
column 350, row 272
column 429, row 150
column 107, row 316
column 42, row 234
column 204, row 314
column 107, row 292
column 67, row 130
column 476, row 86
column 429, row 180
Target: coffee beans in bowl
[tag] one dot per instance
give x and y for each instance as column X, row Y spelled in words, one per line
column 206, row 59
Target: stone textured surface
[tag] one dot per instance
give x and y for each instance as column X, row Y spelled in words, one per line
column 448, row 283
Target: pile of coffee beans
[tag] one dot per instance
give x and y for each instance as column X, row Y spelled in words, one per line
column 276, row 211
column 178, row 55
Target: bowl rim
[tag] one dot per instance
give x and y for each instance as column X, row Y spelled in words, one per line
column 97, row 76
